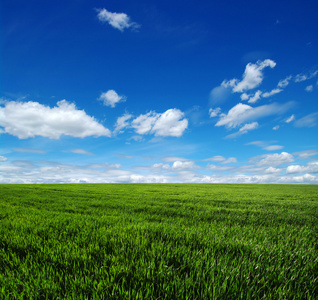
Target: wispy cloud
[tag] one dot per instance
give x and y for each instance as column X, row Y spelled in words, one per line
column 120, row 21
column 284, row 82
column 29, row 150
column 310, row 120
column 309, row 88
column 266, row 145
column 122, row 122
column 271, row 93
column 303, row 77
column 243, row 130
column 242, row 113
column 81, row 151
column 290, row 119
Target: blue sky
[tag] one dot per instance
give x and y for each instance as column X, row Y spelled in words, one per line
column 158, row 91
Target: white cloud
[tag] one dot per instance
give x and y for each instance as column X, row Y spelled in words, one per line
column 244, row 96
column 272, row 170
column 30, row 119
column 311, row 167
column 217, row 158
column 307, row 121
column 104, row 166
column 275, row 159
column 252, row 77
column 29, row 150
column 255, row 97
column 306, row 154
column 242, row 113
column 216, row 168
column 183, row 171
column 273, row 147
column 144, row 123
column 309, row 88
column 122, row 123
column 111, row 98
column 229, row 160
column 290, row 119
column 276, row 127
column 245, row 129
column 174, row 158
column 214, row 112
column 284, row 82
column 2, row 158
column 271, row 93
column 248, row 127
column 161, row 166
column 304, row 77
column 120, row 21
column 183, row 165
column 266, row 145
column 169, row 123
column 136, row 138
column 81, row 151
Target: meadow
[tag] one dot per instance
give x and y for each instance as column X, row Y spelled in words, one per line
column 158, row 241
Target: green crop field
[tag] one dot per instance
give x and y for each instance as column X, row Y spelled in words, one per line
column 158, row 241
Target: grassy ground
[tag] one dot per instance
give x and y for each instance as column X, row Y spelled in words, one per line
column 158, row 241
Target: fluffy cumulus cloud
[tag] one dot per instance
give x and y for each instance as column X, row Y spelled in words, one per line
column 111, row 98
column 272, row 170
column 29, row 119
column 184, row 165
column 120, row 21
column 169, row 123
column 242, row 113
column 311, row 167
column 275, row 159
column 252, row 77
column 2, row 158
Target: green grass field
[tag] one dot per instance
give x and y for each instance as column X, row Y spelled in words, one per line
column 158, row 241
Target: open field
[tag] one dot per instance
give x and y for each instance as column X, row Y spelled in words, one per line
column 158, row 241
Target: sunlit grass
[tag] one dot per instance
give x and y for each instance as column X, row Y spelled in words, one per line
column 158, row 241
